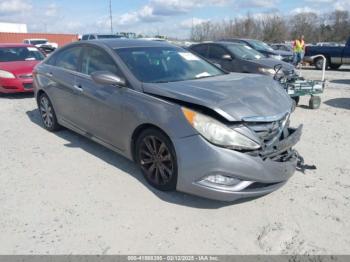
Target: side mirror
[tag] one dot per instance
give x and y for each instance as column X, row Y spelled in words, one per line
column 227, row 57
column 107, row 78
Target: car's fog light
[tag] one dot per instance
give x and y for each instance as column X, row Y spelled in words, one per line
column 221, row 180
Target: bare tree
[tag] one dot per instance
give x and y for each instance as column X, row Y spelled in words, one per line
column 334, row 26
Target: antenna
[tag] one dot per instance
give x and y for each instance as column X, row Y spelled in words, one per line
column 110, row 15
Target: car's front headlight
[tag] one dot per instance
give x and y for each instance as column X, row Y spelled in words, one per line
column 6, row 74
column 266, row 71
column 218, row 133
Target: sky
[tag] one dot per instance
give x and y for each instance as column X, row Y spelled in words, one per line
column 173, row 18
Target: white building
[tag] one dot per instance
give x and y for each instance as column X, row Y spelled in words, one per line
column 13, row 28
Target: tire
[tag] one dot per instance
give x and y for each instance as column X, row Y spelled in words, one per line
column 47, row 112
column 315, row 102
column 319, row 63
column 296, row 99
column 156, row 157
column 334, row 66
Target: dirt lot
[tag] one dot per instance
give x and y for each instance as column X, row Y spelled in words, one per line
column 63, row 194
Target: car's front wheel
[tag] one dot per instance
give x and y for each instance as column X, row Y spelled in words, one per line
column 155, row 154
column 47, row 113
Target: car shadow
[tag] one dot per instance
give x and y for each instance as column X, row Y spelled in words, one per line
column 75, row 140
column 342, row 102
column 16, row 96
column 341, row 81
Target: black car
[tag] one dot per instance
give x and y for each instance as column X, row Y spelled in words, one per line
column 234, row 57
column 264, row 48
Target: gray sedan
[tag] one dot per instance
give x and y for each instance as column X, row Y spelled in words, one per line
column 186, row 123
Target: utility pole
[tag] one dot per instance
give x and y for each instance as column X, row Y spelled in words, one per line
column 110, row 15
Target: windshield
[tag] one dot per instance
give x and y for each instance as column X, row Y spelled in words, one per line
column 259, row 45
column 12, row 54
column 38, row 42
column 166, row 64
column 107, row 36
column 244, row 52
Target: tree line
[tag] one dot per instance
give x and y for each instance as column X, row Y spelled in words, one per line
column 328, row 27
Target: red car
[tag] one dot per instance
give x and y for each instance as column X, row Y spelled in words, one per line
column 16, row 66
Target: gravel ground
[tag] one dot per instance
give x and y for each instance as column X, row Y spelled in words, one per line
column 63, row 194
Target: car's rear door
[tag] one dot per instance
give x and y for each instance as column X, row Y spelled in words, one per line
column 62, row 90
column 216, row 53
column 100, row 106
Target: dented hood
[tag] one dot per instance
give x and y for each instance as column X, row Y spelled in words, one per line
column 234, row 96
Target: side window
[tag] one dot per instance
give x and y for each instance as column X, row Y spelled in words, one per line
column 201, row 50
column 216, row 52
column 95, row 59
column 85, row 37
column 92, row 37
column 68, row 58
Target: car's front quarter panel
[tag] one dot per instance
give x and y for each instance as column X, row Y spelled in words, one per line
column 144, row 109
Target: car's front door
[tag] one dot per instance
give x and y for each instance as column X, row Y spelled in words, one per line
column 100, row 105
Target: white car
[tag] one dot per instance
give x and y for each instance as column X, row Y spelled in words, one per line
column 38, row 42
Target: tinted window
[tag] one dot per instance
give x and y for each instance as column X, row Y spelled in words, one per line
column 259, row 45
column 38, row 42
column 216, row 52
column 68, row 58
column 201, row 50
column 244, row 52
column 92, row 37
column 85, row 37
column 95, row 59
column 12, row 54
column 165, row 64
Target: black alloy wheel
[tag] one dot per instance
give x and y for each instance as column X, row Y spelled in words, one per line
column 156, row 157
column 47, row 113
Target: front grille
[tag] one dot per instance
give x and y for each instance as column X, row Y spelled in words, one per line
column 26, row 76
column 28, row 85
column 268, row 132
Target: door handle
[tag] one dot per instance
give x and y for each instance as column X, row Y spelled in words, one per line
column 78, row 87
column 49, row 74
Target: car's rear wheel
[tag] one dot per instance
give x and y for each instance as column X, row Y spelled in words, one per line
column 296, row 100
column 155, row 154
column 334, row 66
column 319, row 63
column 47, row 113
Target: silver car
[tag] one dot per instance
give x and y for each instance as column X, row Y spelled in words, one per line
column 186, row 123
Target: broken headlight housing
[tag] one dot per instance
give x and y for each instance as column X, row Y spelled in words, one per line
column 218, row 133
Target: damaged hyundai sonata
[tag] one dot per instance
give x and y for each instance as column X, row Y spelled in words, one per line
column 188, row 125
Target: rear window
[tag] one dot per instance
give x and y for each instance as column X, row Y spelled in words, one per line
column 13, row 54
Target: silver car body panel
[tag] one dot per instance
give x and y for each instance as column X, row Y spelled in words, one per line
column 111, row 115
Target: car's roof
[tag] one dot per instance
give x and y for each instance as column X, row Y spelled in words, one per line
column 223, row 43
column 123, row 43
column 15, row 45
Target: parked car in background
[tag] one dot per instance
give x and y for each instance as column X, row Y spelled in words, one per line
column 329, row 44
column 16, row 65
column 47, row 49
column 187, row 124
column 335, row 55
column 235, row 57
column 38, row 42
column 264, row 48
column 100, row 36
column 282, row 47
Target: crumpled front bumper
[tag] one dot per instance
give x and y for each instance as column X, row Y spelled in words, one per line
column 265, row 171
